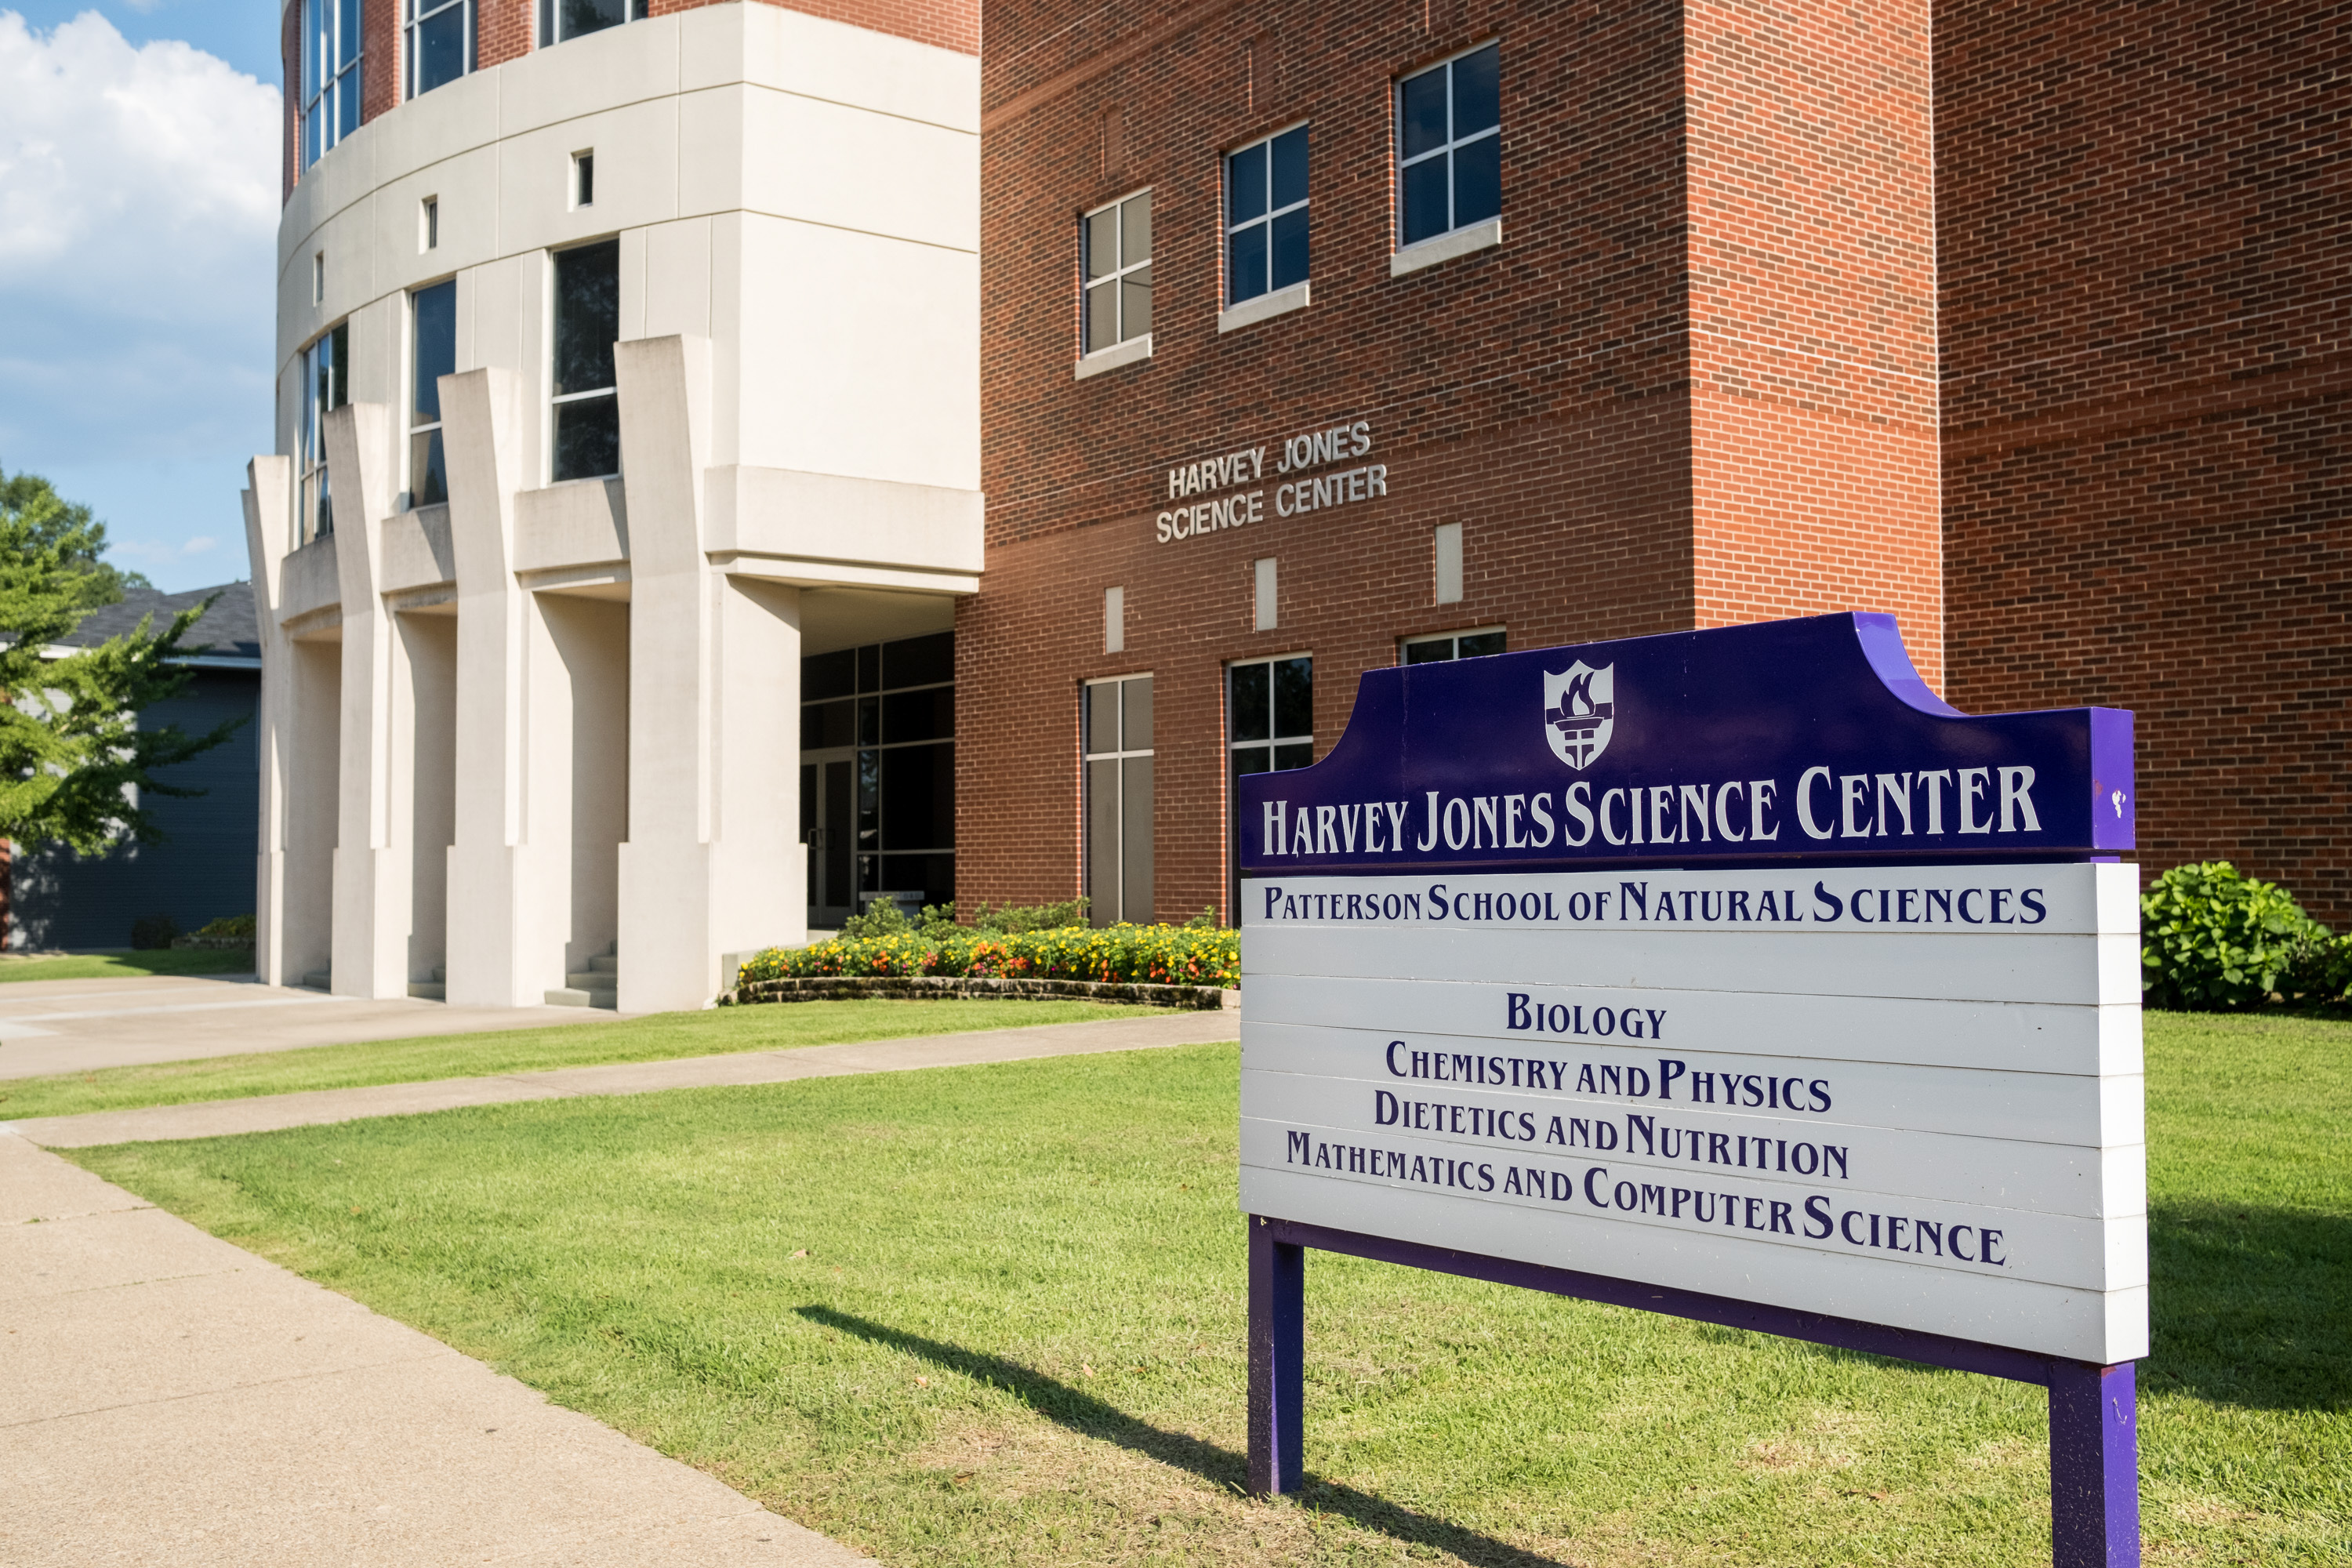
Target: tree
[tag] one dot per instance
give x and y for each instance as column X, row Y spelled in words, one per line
column 72, row 750
column 56, row 520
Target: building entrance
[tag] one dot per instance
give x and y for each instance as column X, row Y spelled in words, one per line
column 828, row 807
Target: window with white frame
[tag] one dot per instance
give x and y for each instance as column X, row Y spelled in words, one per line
column 1115, row 722
column 326, row 387
column 1265, row 216
column 1114, row 253
column 563, row 19
column 438, row 41
column 587, row 410
column 433, row 355
column 1445, row 646
column 1450, row 145
column 1269, row 728
column 330, row 74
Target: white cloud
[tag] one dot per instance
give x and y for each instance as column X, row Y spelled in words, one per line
column 139, row 198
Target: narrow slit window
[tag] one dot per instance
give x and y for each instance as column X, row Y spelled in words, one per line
column 431, row 223
column 583, row 179
column 434, row 354
column 326, row 387
column 587, row 411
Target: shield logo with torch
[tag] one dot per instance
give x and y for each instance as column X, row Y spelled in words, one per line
column 1580, row 711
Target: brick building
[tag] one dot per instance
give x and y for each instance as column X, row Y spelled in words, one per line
column 2025, row 324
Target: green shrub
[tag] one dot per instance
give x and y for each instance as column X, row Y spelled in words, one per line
column 1154, row 954
column 227, row 926
column 2212, row 939
column 2319, row 974
column 152, row 932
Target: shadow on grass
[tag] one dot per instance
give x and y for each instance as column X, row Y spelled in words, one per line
column 2251, row 1306
column 1084, row 1414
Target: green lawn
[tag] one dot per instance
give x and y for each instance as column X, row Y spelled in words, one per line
column 126, row 965
column 994, row 1315
column 659, row 1036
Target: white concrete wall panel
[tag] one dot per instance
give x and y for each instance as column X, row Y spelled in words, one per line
column 795, row 52
column 852, row 168
column 869, row 364
column 677, row 273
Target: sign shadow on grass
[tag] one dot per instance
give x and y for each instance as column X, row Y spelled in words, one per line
column 1225, row 1469
column 2253, row 1305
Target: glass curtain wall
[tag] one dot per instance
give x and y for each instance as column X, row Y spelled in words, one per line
column 877, row 775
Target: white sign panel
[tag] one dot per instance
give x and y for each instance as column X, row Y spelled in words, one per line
column 1902, row 1094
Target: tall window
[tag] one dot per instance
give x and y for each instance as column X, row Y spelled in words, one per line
column 877, row 775
column 1451, row 645
column 433, row 356
column 1115, row 245
column 330, row 74
column 587, row 321
column 1265, row 216
column 1450, row 144
column 562, row 19
column 1269, row 727
column 439, row 42
column 1116, row 716
column 326, row 387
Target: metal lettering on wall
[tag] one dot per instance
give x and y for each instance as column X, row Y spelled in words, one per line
column 1227, row 471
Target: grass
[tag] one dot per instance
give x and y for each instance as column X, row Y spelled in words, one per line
column 981, row 1316
column 126, row 965
column 659, row 1037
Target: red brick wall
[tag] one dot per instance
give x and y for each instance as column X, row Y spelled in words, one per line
column 1542, row 394
column 1813, row 312
column 503, row 30
column 380, row 65
column 2145, row 231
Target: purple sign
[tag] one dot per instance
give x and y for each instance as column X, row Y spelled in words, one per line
column 1813, row 739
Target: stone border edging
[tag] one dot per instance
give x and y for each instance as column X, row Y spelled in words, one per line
column 950, row 987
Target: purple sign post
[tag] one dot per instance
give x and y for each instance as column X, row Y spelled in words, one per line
column 1729, row 974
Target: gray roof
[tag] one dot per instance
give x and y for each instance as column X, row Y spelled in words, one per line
column 230, row 626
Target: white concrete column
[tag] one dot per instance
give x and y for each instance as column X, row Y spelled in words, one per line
column 710, row 865
column 372, row 875
column 269, row 537
column 497, row 929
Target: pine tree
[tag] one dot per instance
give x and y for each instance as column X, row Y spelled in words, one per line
column 73, row 754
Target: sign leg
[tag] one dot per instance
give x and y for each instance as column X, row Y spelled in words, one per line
column 2093, row 1466
column 1277, row 1346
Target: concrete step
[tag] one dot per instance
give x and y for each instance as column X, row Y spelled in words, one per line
column 440, row 973
column 320, row 980
column 429, row 990
column 606, row 963
column 580, row 997
column 593, row 979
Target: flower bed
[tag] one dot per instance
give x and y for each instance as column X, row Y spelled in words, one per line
column 964, row 987
column 1187, row 956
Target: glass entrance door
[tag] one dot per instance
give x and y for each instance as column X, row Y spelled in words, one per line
column 828, row 802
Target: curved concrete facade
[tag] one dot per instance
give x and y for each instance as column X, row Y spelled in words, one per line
column 544, row 737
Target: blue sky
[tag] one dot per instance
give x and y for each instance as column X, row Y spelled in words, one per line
column 139, row 195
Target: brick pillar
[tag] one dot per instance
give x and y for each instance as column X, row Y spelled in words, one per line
column 1812, row 314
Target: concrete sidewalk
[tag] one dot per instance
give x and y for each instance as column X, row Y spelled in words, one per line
column 214, row 1118
column 75, row 1025
column 168, row 1398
